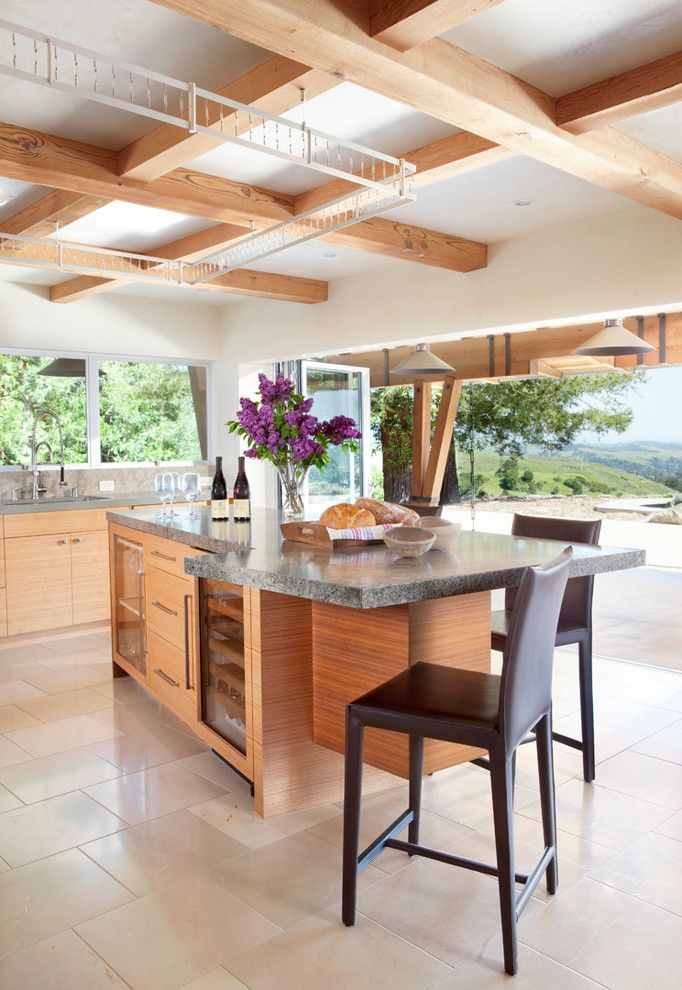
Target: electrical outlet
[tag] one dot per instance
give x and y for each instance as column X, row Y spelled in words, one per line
column 107, row 486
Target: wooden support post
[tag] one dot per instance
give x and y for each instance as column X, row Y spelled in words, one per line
column 421, row 435
column 445, row 424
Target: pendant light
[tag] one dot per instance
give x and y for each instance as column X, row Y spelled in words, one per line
column 422, row 362
column 614, row 341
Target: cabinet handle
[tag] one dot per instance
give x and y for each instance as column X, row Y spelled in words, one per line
column 188, row 686
column 164, row 608
column 164, row 556
column 165, row 677
column 61, row 543
column 78, row 539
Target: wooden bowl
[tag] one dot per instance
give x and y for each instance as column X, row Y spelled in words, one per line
column 409, row 541
column 446, row 532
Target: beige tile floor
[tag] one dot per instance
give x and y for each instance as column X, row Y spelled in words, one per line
column 130, row 855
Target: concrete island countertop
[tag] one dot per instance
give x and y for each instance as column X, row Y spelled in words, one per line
column 369, row 577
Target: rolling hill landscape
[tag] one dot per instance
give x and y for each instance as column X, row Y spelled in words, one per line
column 636, row 469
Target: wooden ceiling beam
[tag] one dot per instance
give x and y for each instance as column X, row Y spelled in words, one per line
column 44, row 159
column 647, row 87
column 274, row 86
column 404, row 24
column 450, row 84
column 57, row 209
column 242, row 281
column 408, row 242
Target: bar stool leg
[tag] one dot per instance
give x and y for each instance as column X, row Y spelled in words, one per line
column 502, row 793
column 351, row 814
column 543, row 735
column 586, row 705
column 416, row 771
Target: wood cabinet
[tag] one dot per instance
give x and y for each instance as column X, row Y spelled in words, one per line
column 39, row 593
column 54, row 570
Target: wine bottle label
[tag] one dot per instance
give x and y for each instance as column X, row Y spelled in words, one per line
column 242, row 508
column 220, row 508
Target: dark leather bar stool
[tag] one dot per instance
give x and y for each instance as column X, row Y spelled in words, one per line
column 488, row 711
column 575, row 619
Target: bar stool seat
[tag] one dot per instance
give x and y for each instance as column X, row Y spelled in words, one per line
column 491, row 712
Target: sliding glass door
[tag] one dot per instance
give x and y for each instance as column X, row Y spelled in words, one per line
column 339, row 390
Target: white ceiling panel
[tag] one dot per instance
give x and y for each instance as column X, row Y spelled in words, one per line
column 15, row 195
column 560, row 46
column 32, row 276
column 134, row 30
column 126, row 226
column 482, row 205
column 661, row 130
column 315, row 259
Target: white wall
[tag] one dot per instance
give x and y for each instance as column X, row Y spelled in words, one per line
column 618, row 264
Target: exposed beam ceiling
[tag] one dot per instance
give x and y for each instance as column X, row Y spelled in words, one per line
column 404, row 24
column 275, row 86
column 87, row 169
column 639, row 90
column 449, row 84
column 394, row 239
column 266, row 285
column 471, row 356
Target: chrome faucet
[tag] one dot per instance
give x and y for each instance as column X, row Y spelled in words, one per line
column 41, row 413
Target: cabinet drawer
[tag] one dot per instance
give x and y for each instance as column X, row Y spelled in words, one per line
column 169, row 674
column 2, row 563
column 3, row 612
column 169, row 556
column 166, row 605
column 48, row 521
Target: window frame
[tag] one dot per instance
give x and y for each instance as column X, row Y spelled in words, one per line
column 92, row 360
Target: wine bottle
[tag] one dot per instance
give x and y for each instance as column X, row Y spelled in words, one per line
column 220, row 506
column 242, row 495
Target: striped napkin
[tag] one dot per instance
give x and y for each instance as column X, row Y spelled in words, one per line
column 361, row 532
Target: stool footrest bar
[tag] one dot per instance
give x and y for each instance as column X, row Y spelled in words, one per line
column 533, row 880
column 373, row 850
column 441, row 857
column 567, row 740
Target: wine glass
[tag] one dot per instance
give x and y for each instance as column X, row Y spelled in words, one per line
column 191, row 490
column 161, row 491
column 172, row 486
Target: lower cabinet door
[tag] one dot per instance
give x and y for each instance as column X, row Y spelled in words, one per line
column 171, row 678
column 3, row 612
column 90, row 576
column 38, row 583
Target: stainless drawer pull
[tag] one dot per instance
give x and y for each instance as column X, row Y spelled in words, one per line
column 188, row 686
column 164, row 608
column 165, row 677
column 78, row 539
column 61, row 543
column 164, row 556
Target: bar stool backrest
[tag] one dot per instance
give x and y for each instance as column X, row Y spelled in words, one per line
column 526, row 688
column 577, row 603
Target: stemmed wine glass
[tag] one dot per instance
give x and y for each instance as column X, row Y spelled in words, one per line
column 162, row 491
column 173, row 488
column 191, row 490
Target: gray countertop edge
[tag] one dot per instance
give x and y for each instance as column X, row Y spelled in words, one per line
column 218, row 568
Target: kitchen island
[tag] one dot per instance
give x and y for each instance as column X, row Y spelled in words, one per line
column 259, row 645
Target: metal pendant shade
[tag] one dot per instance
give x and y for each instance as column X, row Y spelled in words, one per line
column 614, row 341
column 422, row 362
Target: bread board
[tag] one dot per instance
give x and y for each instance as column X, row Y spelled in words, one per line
column 315, row 534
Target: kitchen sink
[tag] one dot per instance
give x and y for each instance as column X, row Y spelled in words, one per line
column 57, row 500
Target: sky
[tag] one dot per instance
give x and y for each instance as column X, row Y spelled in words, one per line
column 657, row 407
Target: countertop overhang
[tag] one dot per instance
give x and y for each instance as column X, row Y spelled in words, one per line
column 369, row 577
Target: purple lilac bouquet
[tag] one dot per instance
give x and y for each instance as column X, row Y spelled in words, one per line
column 280, row 428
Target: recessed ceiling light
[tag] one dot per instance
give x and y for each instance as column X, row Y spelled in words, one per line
column 329, row 254
column 522, row 202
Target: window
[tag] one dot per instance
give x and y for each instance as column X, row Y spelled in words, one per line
column 151, row 412
column 121, row 412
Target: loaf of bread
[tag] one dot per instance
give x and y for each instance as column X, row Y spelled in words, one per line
column 388, row 512
column 344, row 516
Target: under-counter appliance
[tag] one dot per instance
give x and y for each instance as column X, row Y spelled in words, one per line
column 223, row 680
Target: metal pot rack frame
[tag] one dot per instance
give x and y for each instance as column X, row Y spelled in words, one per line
column 384, row 181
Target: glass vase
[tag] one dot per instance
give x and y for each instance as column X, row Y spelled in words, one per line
column 292, row 477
